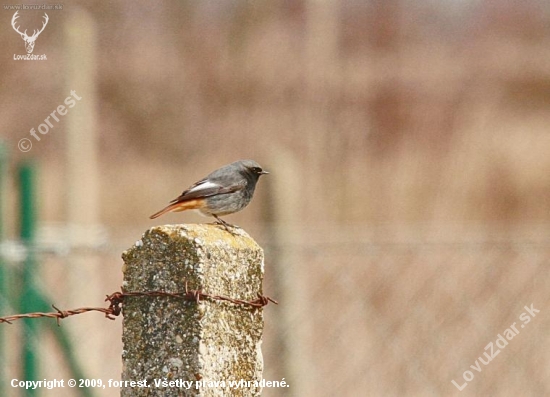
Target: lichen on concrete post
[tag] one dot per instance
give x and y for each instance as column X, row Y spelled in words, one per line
column 192, row 345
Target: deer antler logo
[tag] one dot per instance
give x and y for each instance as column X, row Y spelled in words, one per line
column 29, row 40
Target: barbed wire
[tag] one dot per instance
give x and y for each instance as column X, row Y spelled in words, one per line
column 116, row 300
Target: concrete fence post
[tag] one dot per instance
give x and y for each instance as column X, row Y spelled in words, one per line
column 202, row 347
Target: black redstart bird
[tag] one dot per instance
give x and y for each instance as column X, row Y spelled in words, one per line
column 225, row 191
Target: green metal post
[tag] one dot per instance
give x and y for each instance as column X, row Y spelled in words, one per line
column 63, row 339
column 28, row 301
column 3, row 284
column 31, row 299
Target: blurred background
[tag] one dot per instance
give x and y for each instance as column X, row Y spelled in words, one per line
column 406, row 218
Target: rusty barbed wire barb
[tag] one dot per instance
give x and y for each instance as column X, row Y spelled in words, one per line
column 115, row 304
column 57, row 314
column 116, row 300
column 61, row 315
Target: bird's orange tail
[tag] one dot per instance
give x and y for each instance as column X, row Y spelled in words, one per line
column 179, row 206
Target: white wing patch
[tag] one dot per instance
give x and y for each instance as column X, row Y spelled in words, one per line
column 203, row 186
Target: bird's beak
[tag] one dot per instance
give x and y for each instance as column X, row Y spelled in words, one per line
column 264, row 173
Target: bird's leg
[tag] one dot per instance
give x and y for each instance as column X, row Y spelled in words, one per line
column 223, row 223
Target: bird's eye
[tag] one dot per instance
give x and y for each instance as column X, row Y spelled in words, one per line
column 256, row 170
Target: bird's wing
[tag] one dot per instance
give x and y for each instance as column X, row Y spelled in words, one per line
column 206, row 188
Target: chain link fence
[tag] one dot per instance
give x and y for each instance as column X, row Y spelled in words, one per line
column 407, row 315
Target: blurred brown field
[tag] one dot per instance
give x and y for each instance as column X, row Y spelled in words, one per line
column 406, row 217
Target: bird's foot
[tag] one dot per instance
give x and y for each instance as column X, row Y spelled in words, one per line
column 225, row 225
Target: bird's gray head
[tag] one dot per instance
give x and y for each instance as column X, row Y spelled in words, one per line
column 251, row 168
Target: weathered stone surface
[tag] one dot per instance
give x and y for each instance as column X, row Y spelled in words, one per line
column 172, row 339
